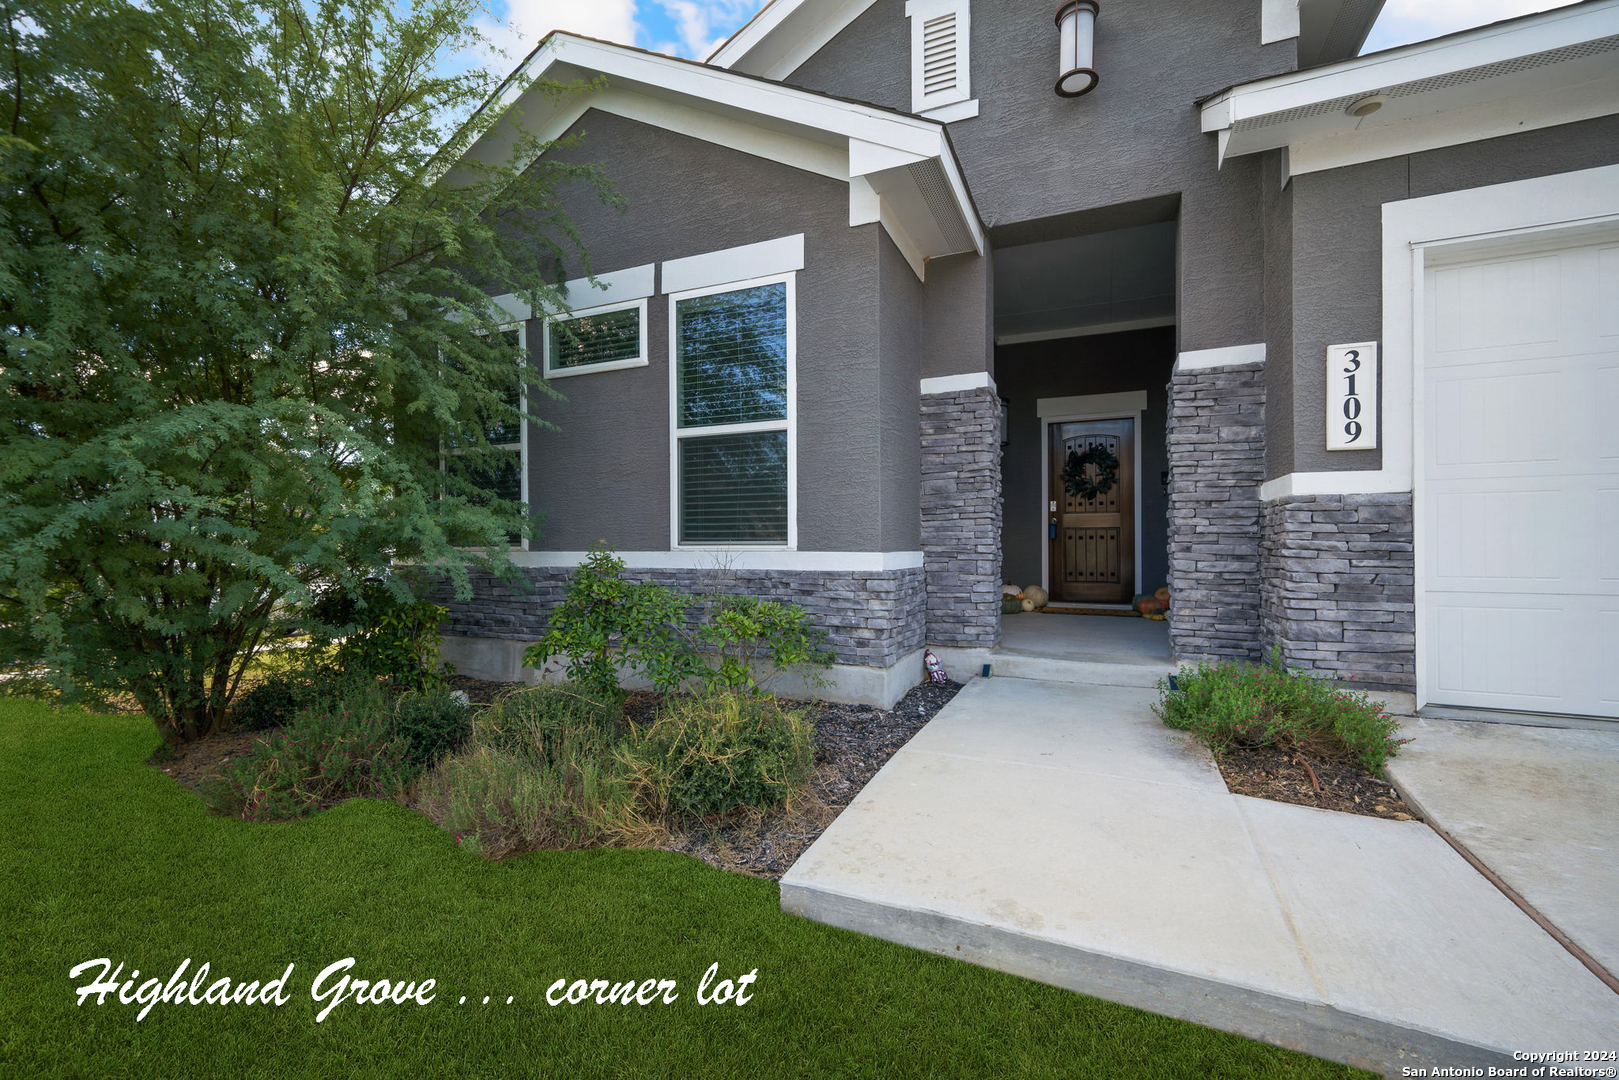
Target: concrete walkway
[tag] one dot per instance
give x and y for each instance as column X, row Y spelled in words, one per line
column 1538, row 805
column 1060, row 832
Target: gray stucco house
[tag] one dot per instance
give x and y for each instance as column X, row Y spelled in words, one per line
column 1347, row 325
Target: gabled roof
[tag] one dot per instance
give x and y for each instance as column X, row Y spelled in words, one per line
column 1552, row 67
column 900, row 168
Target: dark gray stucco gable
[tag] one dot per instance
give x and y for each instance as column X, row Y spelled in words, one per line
column 1031, row 156
column 605, row 473
column 1337, row 244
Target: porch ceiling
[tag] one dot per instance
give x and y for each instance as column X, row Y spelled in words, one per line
column 1122, row 279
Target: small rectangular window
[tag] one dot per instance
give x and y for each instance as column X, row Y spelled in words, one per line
column 602, row 339
column 733, row 378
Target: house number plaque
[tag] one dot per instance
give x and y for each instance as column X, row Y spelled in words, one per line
column 1352, row 396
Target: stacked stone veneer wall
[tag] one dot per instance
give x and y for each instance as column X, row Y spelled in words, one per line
column 872, row 618
column 961, row 517
column 1339, row 586
column 1216, row 463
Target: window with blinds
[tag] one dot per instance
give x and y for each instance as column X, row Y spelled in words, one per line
column 604, row 340
column 732, row 375
column 500, row 474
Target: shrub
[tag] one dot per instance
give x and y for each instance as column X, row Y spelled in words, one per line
column 333, row 750
column 716, row 752
column 548, row 723
column 744, row 631
column 303, row 676
column 1233, row 704
column 431, row 724
column 387, row 633
column 605, row 622
column 538, row 772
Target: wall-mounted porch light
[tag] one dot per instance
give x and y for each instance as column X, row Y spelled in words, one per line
column 1076, row 26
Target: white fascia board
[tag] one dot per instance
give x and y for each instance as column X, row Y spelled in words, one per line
column 718, row 86
column 866, row 158
column 1549, row 30
column 754, row 32
column 785, row 35
column 951, row 384
column 617, row 287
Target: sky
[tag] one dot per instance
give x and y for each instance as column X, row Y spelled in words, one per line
column 693, row 28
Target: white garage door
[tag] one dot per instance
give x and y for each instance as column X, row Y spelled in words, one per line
column 1520, row 505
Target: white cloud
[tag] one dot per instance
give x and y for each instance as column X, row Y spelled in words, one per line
column 702, row 24
column 1405, row 21
column 525, row 22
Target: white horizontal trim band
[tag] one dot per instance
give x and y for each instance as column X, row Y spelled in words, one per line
column 1356, row 482
column 766, row 259
column 736, row 559
column 622, row 286
column 1231, row 356
column 950, row 384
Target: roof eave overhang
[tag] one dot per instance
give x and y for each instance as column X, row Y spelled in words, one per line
column 900, row 169
column 1552, row 68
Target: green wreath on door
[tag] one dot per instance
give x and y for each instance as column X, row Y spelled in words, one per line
column 1076, row 478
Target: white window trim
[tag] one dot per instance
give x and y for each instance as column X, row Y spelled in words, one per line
column 920, row 12
column 789, row 425
column 639, row 360
column 521, row 447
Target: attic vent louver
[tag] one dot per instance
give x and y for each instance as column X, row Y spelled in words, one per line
column 940, row 32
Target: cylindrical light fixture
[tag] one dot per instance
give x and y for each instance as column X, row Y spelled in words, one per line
column 1076, row 26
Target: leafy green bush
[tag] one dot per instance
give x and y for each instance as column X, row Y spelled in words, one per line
column 742, row 632
column 1234, row 704
column 605, row 622
column 297, row 679
column 431, row 724
column 716, row 752
column 387, row 633
column 538, row 772
column 333, row 750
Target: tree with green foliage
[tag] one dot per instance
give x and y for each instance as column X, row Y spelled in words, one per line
column 247, row 351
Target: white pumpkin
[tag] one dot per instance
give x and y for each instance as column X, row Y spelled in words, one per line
column 1011, row 590
column 1038, row 594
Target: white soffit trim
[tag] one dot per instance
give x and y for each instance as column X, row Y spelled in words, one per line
column 1528, row 72
column 768, row 258
column 1232, row 355
column 1128, row 401
column 907, row 160
column 621, row 286
column 735, row 559
column 778, row 40
column 1351, row 482
column 950, row 384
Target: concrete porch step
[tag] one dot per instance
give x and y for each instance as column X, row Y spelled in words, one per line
column 967, row 664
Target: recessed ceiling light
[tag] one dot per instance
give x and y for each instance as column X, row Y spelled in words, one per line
column 1366, row 106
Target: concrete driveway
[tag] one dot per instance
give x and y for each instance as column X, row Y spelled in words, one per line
column 1539, row 806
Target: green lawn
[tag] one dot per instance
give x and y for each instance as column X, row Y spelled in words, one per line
column 105, row 856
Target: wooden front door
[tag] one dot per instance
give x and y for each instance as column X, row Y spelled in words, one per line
column 1093, row 540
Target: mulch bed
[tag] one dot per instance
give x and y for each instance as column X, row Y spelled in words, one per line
column 195, row 761
column 1266, row 772
column 852, row 743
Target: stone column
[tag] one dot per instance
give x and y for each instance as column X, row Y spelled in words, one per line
column 1216, row 464
column 1339, row 594
column 961, row 517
